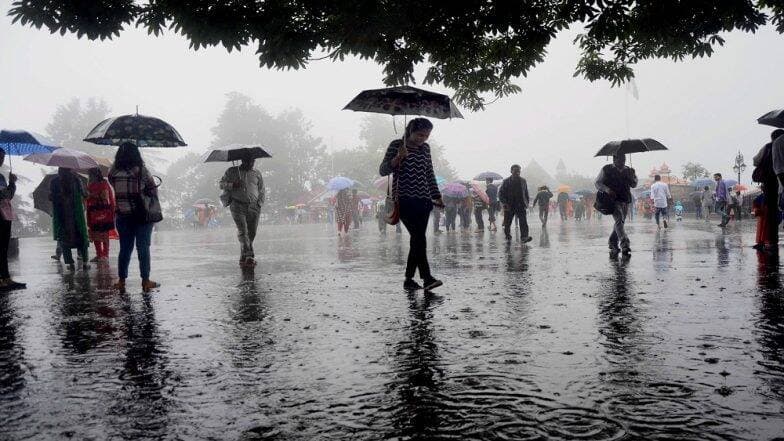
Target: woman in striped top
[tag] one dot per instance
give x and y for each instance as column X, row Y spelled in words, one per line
column 417, row 192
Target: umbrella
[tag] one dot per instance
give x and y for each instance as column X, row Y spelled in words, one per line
column 144, row 131
column 645, row 194
column 65, row 158
column 729, row 182
column 702, row 182
column 363, row 195
column 488, row 175
column 381, row 183
column 480, row 192
column 237, row 153
column 563, row 189
column 440, row 180
column 404, row 100
column 42, row 191
column 740, row 187
column 455, row 190
column 339, row 183
column 23, row 142
column 584, row 192
column 630, row 146
column 773, row 118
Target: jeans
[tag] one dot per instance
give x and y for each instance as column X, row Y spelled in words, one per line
column 661, row 212
column 451, row 215
column 415, row 213
column 520, row 213
column 721, row 207
column 543, row 214
column 618, row 238
column 480, row 223
column 491, row 212
column 246, row 218
column 134, row 232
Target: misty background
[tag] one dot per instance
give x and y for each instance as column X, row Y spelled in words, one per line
column 704, row 110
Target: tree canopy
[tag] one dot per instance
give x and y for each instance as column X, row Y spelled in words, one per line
column 475, row 47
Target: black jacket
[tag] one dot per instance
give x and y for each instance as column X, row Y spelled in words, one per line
column 514, row 192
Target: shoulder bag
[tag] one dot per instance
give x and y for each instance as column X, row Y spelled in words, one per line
column 148, row 205
column 392, row 205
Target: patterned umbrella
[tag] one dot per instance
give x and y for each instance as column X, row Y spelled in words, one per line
column 339, row 183
column 144, row 131
column 23, row 142
column 488, row 175
column 455, row 190
column 404, row 100
column 236, row 153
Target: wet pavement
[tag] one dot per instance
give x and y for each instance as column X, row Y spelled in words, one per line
column 548, row 341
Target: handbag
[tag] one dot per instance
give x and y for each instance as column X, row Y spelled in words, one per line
column 392, row 205
column 7, row 211
column 605, row 203
column 148, row 205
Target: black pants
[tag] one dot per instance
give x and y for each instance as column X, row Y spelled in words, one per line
column 544, row 212
column 562, row 211
column 771, row 192
column 520, row 213
column 415, row 213
column 5, row 239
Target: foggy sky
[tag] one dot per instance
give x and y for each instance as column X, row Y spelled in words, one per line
column 704, row 110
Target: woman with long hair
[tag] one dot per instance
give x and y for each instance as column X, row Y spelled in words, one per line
column 416, row 191
column 69, row 226
column 100, row 214
column 130, row 179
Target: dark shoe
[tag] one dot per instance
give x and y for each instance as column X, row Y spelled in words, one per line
column 508, row 238
column 411, row 285
column 759, row 246
column 432, row 284
column 722, row 225
column 627, row 251
column 614, row 253
column 149, row 285
column 527, row 239
column 665, row 223
column 12, row 285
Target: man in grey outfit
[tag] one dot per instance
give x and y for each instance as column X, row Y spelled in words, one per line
column 243, row 193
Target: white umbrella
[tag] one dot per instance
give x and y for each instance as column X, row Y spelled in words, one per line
column 65, row 158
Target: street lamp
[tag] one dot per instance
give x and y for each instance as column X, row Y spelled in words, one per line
column 739, row 166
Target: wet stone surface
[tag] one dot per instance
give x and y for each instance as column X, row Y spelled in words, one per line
column 548, row 341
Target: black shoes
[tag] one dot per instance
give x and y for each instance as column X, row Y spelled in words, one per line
column 527, row 239
column 432, row 284
column 665, row 223
column 411, row 285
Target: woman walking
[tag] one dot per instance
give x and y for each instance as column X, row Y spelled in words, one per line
column 130, row 179
column 417, row 192
column 100, row 214
column 7, row 191
column 343, row 211
column 69, row 226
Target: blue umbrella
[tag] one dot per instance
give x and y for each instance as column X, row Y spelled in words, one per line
column 730, row 182
column 702, row 182
column 440, row 180
column 23, row 143
column 339, row 183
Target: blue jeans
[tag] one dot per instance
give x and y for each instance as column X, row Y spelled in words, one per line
column 661, row 212
column 132, row 231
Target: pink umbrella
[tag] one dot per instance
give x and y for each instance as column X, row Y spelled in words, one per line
column 480, row 192
column 381, row 183
column 65, row 158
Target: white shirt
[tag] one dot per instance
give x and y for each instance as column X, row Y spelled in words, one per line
column 660, row 193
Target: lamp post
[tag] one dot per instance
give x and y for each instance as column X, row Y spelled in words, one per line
column 739, row 166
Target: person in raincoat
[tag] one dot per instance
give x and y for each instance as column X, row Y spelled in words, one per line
column 243, row 190
column 69, row 226
column 100, row 214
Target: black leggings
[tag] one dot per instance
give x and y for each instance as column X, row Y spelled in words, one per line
column 415, row 213
column 5, row 239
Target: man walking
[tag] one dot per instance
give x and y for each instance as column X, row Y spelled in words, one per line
column 660, row 195
column 514, row 196
column 543, row 200
column 769, row 171
column 617, row 180
column 492, row 206
column 479, row 207
column 708, row 204
column 563, row 200
column 243, row 193
column 721, row 195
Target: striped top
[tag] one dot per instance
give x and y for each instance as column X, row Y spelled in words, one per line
column 414, row 178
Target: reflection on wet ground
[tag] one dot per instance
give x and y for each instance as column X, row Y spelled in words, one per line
column 550, row 341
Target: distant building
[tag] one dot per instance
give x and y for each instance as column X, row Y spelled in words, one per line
column 537, row 176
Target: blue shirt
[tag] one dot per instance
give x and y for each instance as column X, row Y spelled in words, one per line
column 721, row 191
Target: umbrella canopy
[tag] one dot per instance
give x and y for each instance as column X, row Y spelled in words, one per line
column 563, row 189
column 729, row 182
column 42, row 191
column 339, row 183
column 740, row 187
column 381, row 183
column 584, row 192
column 773, row 118
column 404, row 100
column 144, row 131
column 363, row 195
column 23, row 142
column 455, row 190
column 488, row 175
column 479, row 191
column 237, row 153
column 702, row 182
column 65, row 158
column 440, row 180
column 630, row 146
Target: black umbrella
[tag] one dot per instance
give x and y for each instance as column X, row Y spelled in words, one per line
column 404, row 100
column 630, row 146
column 773, row 118
column 41, row 193
column 236, row 154
column 144, row 131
